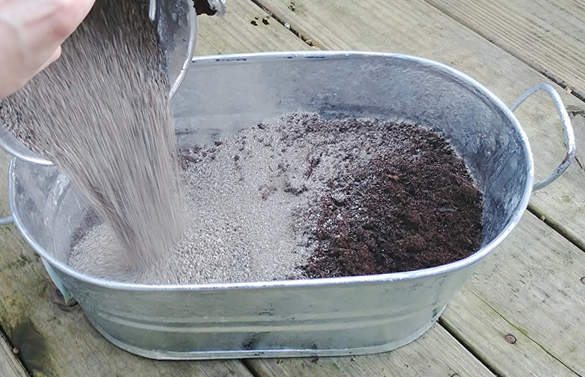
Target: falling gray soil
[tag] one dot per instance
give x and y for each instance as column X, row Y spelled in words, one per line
column 101, row 113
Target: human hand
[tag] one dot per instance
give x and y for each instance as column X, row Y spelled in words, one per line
column 31, row 33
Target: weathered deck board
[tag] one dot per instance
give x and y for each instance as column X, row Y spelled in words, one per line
column 417, row 28
column 434, row 354
column 484, row 330
column 235, row 33
column 532, row 282
column 10, row 366
column 547, row 34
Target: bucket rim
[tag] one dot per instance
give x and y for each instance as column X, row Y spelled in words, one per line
column 373, row 279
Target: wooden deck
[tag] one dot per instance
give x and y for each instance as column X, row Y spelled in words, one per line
column 523, row 311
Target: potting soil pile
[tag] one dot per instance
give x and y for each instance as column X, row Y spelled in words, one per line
column 101, row 114
column 304, row 197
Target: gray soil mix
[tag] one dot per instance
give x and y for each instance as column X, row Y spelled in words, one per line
column 281, row 200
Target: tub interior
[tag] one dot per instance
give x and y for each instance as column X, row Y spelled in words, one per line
column 221, row 96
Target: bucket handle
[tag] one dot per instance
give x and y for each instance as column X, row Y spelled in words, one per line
column 565, row 121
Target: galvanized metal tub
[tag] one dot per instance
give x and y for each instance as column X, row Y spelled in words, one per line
column 340, row 316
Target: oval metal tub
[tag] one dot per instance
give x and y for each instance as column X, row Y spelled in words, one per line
column 340, row 316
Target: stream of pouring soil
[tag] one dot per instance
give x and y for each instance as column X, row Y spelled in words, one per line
column 101, row 114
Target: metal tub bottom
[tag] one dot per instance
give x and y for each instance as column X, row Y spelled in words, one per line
column 341, row 316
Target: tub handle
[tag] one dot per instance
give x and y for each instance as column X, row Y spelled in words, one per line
column 6, row 220
column 565, row 121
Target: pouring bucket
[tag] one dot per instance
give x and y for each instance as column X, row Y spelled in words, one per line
column 176, row 25
column 338, row 316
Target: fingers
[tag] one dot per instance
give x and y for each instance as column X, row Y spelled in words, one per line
column 31, row 33
column 61, row 17
column 50, row 25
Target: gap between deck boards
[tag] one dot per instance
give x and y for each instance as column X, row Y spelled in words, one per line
column 556, row 77
column 10, row 364
column 306, row 39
